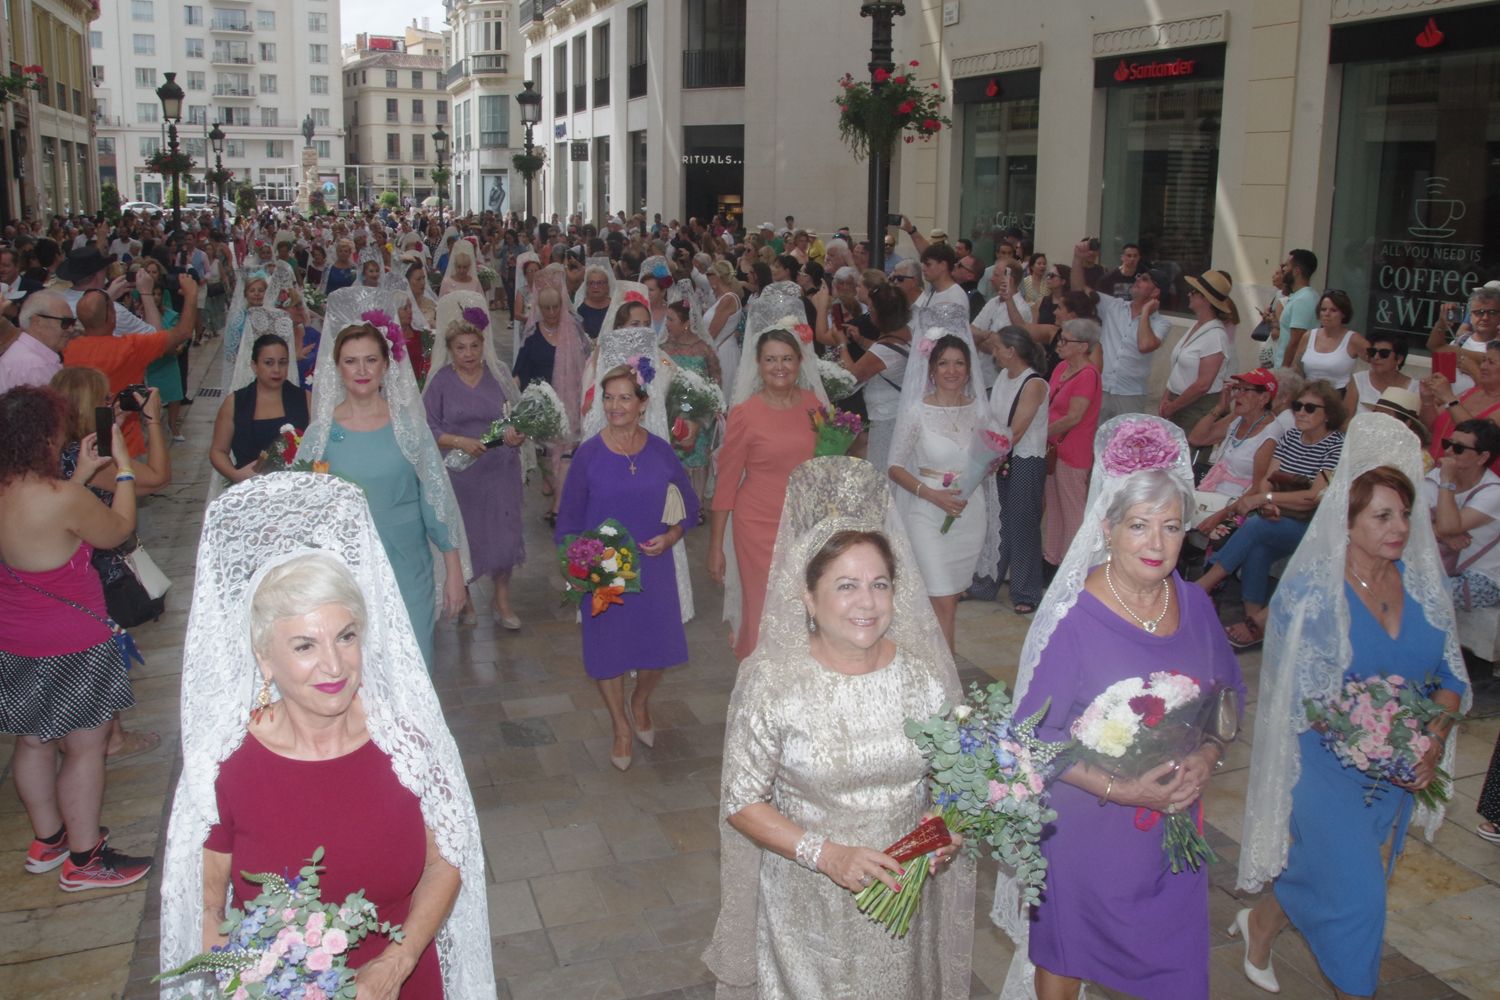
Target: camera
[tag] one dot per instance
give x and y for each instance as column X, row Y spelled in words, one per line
column 893, row 219
column 133, row 397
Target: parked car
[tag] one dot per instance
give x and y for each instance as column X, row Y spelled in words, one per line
column 204, row 203
column 141, row 206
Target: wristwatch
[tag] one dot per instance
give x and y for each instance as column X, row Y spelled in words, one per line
column 1450, row 487
column 1452, row 403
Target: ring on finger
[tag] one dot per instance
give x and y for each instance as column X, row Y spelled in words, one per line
column 864, row 880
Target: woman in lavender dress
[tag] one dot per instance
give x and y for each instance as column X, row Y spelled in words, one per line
column 625, row 472
column 466, row 392
column 1113, row 913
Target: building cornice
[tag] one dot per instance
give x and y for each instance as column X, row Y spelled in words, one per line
column 1203, row 29
column 1355, row 10
column 1001, row 61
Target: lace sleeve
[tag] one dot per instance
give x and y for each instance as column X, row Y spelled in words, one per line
column 904, row 445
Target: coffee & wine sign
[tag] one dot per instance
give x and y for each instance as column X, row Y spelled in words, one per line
column 1428, row 264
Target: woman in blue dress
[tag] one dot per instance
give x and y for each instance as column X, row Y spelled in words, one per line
column 370, row 427
column 1364, row 595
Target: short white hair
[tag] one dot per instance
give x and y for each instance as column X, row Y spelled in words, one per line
column 299, row 586
column 43, row 302
column 846, row 273
column 1156, row 488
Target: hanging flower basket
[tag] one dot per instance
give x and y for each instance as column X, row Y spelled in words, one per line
column 167, row 163
column 872, row 117
column 527, row 165
column 13, row 86
column 216, row 176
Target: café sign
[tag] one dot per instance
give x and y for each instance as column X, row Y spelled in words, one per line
column 1418, row 270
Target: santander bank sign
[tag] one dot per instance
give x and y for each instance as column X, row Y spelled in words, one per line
column 1154, row 70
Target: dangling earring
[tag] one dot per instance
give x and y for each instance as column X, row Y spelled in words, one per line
column 263, row 702
column 812, row 624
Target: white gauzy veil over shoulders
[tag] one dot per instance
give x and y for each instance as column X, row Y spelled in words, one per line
column 252, row 527
column 1307, row 647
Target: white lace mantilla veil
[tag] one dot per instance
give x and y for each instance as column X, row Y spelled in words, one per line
column 824, row 496
column 779, row 306
column 462, row 248
column 254, row 321
column 1087, row 551
column 450, row 309
column 522, row 293
column 1307, row 645
column 615, row 348
column 618, row 291
column 945, row 320
column 258, row 322
column 408, row 417
column 252, row 527
column 396, row 284
column 602, row 264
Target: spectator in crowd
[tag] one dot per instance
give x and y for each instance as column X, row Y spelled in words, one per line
column 1118, row 281
column 47, row 325
column 1299, row 313
column 1129, row 334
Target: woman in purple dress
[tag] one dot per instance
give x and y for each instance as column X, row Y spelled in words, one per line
column 1113, row 913
column 627, row 473
column 466, row 392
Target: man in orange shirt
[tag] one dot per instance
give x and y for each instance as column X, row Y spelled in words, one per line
column 123, row 360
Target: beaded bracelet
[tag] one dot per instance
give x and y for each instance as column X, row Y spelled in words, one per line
column 125, row 477
column 809, row 849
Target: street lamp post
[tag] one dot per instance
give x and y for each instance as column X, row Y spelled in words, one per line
column 216, row 139
column 881, row 14
column 171, row 95
column 440, row 146
column 531, row 113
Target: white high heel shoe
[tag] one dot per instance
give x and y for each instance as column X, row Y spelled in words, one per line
column 1263, row 978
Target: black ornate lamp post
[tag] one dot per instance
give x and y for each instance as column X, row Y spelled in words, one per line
column 882, row 14
column 440, row 146
column 531, row 113
column 216, row 139
column 171, row 95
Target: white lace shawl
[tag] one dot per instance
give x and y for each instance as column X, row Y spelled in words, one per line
column 260, row 320
column 251, row 527
column 1088, row 550
column 408, row 417
column 615, row 348
column 944, row 320
column 1307, row 648
column 604, row 266
column 824, row 496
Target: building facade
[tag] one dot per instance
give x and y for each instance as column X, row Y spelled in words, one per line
column 47, row 157
column 1221, row 135
column 257, row 68
column 394, row 100
column 484, row 69
column 696, row 107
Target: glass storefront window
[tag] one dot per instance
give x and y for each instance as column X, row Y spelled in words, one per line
column 999, row 171
column 1416, row 188
column 1161, row 166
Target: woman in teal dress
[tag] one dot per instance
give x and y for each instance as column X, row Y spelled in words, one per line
column 1364, row 598
column 369, row 426
column 682, row 343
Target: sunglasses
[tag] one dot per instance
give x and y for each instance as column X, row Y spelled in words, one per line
column 1379, row 352
column 1069, row 340
column 66, row 322
column 1484, row 312
column 1050, row 275
column 1301, row 407
column 1458, row 449
column 1246, row 387
column 896, row 279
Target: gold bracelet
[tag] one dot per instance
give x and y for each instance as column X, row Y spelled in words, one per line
column 1104, row 799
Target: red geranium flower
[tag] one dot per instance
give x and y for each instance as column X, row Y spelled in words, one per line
column 1151, row 708
column 901, row 80
column 882, row 74
column 906, row 107
column 913, row 63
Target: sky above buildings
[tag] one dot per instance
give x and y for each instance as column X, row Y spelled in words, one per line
column 387, row 17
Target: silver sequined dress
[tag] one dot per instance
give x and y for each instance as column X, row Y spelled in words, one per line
column 828, row 751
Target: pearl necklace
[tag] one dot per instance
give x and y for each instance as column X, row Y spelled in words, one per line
column 1155, row 623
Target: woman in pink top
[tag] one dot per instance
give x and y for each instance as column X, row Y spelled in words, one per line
column 1072, row 418
column 62, row 676
column 768, row 435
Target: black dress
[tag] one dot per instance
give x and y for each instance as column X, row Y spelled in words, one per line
column 251, row 436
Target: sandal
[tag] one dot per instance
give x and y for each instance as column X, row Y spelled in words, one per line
column 133, row 745
column 1249, row 637
column 1492, row 834
column 1025, row 609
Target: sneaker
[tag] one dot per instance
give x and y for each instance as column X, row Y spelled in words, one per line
column 42, row 857
column 106, row 869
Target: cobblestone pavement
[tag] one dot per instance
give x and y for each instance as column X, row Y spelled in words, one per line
column 605, row 885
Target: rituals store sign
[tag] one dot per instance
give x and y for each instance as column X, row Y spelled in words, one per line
column 1417, row 270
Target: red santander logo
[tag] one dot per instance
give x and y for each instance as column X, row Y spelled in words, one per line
column 1431, row 36
column 1154, row 70
column 1122, row 72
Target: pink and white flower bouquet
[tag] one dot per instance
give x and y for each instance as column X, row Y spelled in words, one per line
column 1138, row 724
column 288, row 943
column 987, row 449
column 1379, row 726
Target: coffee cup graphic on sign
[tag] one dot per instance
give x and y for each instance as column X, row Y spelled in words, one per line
column 1434, row 214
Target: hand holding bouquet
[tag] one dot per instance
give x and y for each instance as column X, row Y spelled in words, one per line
column 288, row 943
column 1378, row 725
column 987, row 449
column 838, row 381
column 835, row 432
column 988, row 780
column 487, row 277
column 692, row 401
column 281, row 454
column 538, row 415
column 601, row 563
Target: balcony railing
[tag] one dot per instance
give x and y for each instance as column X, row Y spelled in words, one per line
column 528, row 12
column 635, row 81
column 580, row 97
column 78, row 102
column 455, row 73
column 418, row 118
column 560, row 103
column 231, row 91
column 393, row 117
column 601, row 91
column 230, row 59
column 713, row 68
column 223, row 24
column 491, row 62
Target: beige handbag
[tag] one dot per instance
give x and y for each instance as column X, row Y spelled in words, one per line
column 148, row 573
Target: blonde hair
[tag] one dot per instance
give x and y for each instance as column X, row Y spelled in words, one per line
column 82, row 388
column 299, row 586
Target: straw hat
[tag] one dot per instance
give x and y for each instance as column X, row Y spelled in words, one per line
column 1214, row 286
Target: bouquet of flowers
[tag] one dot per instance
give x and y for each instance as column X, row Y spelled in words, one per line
column 987, row 449
column 1378, row 725
column 692, row 398
column 314, row 299
column 538, row 414
column 835, row 431
column 281, row 456
column 1135, row 725
column 488, row 279
column 989, row 774
column 288, row 943
column 838, row 381
column 601, row 563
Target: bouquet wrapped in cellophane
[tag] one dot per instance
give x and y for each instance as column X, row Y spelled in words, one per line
column 603, row 564
column 281, row 454
column 692, row 399
column 838, row 381
column 987, row 449
column 834, row 432
column 538, row 415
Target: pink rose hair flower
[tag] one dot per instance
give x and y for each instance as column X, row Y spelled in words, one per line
column 1138, row 445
